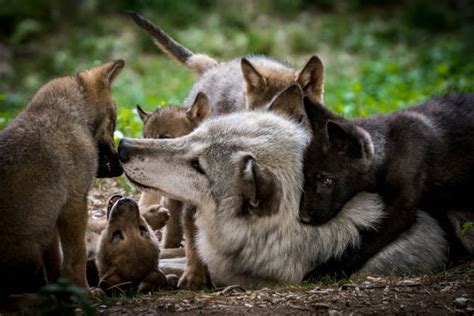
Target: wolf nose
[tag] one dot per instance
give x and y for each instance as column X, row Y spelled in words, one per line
column 122, row 151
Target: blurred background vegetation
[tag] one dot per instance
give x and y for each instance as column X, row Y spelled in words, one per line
column 379, row 55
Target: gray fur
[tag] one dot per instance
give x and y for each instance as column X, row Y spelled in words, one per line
column 253, row 248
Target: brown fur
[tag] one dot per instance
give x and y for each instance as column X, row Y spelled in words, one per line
column 49, row 156
column 128, row 250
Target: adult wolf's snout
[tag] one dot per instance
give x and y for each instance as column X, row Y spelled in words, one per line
column 124, row 150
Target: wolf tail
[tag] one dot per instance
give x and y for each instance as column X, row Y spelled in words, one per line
column 196, row 62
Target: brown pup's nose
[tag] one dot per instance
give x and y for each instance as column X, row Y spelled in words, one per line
column 122, row 151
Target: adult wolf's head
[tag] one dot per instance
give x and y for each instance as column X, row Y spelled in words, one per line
column 101, row 114
column 238, row 162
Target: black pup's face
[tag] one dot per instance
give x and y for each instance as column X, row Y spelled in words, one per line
column 336, row 165
column 331, row 180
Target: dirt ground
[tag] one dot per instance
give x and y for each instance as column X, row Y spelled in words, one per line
column 447, row 292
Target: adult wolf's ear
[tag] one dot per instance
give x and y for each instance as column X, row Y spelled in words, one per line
column 102, row 75
column 200, row 109
column 254, row 81
column 311, row 79
column 259, row 189
column 318, row 114
column 144, row 115
column 349, row 140
column 290, row 103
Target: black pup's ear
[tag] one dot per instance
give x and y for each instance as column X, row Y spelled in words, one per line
column 260, row 192
column 289, row 103
column 349, row 140
column 318, row 114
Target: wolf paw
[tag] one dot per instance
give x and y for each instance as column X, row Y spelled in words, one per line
column 157, row 216
column 194, row 280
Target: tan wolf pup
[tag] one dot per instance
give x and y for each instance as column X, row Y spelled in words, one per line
column 49, row 156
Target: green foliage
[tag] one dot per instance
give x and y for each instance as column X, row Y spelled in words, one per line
column 465, row 227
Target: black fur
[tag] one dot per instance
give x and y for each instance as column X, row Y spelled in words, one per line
column 420, row 157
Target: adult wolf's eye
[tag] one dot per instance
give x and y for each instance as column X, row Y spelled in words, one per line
column 117, row 235
column 197, row 166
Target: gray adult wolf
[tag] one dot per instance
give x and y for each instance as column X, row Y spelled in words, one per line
column 49, row 156
column 247, row 82
column 243, row 172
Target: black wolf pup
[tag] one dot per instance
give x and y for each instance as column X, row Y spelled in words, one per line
column 420, row 157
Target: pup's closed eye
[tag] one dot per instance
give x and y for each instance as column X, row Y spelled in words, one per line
column 117, row 235
column 162, row 136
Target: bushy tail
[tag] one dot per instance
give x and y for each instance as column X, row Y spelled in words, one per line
column 196, row 62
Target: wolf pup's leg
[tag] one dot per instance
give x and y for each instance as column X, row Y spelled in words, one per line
column 72, row 224
column 52, row 259
column 195, row 275
column 174, row 228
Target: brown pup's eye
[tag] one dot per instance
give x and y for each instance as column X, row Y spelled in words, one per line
column 117, row 234
column 162, row 136
column 197, row 166
column 143, row 230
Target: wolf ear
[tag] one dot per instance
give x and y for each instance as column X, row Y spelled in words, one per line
column 200, row 109
column 254, row 81
column 103, row 74
column 144, row 115
column 310, row 78
column 318, row 114
column 289, row 103
column 351, row 141
column 260, row 192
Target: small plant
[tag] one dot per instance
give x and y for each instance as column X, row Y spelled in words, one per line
column 465, row 227
column 63, row 298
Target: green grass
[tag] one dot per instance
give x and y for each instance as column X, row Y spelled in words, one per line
column 375, row 61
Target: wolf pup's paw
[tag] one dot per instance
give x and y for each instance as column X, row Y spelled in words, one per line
column 157, row 216
column 194, row 279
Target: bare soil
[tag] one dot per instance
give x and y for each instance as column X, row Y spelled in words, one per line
column 447, row 292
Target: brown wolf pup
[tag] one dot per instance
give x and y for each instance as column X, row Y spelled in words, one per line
column 128, row 250
column 170, row 122
column 49, row 156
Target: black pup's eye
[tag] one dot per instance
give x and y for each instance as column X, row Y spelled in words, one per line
column 117, row 235
column 161, row 136
column 197, row 166
column 327, row 181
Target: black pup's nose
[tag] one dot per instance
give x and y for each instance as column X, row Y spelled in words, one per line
column 123, row 151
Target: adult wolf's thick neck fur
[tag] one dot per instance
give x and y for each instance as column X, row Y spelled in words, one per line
column 204, row 169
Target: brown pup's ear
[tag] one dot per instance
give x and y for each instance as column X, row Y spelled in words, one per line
column 104, row 74
column 260, row 192
column 200, row 109
column 290, row 103
column 310, row 78
column 144, row 115
column 254, row 81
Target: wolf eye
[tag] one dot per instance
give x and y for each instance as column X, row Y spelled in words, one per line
column 143, row 230
column 327, row 181
column 197, row 166
column 162, row 136
column 117, row 234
